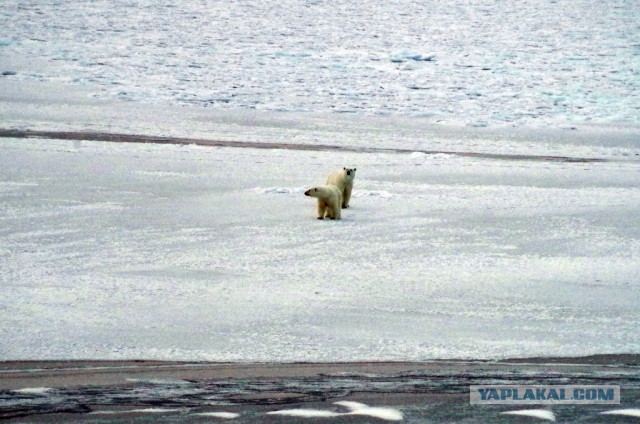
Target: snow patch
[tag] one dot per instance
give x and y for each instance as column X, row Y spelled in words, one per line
column 280, row 190
column 357, row 408
column 629, row 412
column 306, row 413
column 352, row 408
column 33, row 390
column 542, row 414
column 418, row 155
column 222, row 415
column 383, row 194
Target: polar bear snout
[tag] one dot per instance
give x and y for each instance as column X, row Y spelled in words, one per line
column 349, row 171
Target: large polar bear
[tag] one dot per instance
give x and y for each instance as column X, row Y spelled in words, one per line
column 329, row 200
column 344, row 181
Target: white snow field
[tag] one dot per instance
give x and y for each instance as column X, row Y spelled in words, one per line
column 112, row 250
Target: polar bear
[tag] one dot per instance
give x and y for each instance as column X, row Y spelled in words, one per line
column 329, row 200
column 344, row 181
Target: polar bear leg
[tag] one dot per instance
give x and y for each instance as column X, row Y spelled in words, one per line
column 336, row 207
column 336, row 212
column 322, row 207
column 346, row 196
column 333, row 210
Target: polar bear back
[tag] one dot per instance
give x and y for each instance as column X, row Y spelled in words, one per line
column 330, row 193
column 342, row 179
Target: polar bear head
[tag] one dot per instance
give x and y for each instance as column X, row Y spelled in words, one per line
column 348, row 174
column 329, row 193
column 314, row 192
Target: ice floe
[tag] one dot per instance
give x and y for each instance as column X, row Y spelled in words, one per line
column 543, row 414
column 627, row 412
column 348, row 407
column 33, row 390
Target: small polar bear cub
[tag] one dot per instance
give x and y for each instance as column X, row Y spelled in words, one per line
column 329, row 200
column 344, row 181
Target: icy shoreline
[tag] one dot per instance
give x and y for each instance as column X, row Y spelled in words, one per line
column 416, row 392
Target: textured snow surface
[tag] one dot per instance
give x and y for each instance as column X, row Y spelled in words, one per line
column 487, row 63
column 197, row 253
column 179, row 252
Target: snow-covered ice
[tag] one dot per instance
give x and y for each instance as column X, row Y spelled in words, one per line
column 629, row 412
column 305, row 413
column 529, row 63
column 34, row 390
column 383, row 413
column 468, row 236
column 542, row 414
column 352, row 408
column 178, row 252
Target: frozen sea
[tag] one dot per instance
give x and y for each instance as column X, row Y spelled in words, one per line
column 496, row 207
column 486, row 63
